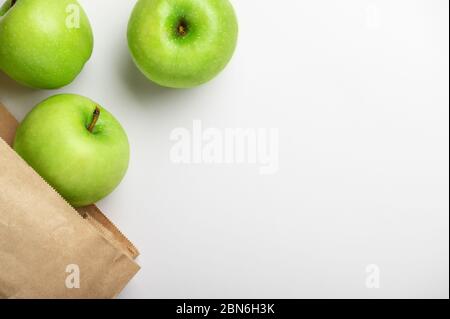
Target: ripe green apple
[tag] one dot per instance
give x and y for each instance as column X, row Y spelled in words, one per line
column 182, row 43
column 77, row 146
column 44, row 43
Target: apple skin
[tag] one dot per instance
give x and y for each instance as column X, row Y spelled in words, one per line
column 182, row 59
column 37, row 48
column 82, row 166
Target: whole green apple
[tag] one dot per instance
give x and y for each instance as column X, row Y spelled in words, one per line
column 78, row 147
column 44, row 43
column 182, row 43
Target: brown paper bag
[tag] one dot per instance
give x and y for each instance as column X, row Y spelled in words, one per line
column 48, row 249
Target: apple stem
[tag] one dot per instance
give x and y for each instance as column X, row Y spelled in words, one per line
column 181, row 30
column 95, row 117
column 13, row 2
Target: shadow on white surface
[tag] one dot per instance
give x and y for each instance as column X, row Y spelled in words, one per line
column 144, row 91
column 9, row 89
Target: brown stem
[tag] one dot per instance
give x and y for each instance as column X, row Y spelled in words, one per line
column 13, row 2
column 95, row 117
column 182, row 28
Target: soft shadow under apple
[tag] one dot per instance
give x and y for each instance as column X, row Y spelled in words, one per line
column 24, row 97
column 144, row 91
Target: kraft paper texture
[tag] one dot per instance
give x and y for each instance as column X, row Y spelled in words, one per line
column 47, row 248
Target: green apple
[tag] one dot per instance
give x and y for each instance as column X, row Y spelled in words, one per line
column 44, row 43
column 77, row 146
column 182, row 43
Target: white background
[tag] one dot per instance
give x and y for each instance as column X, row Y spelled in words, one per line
column 359, row 92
